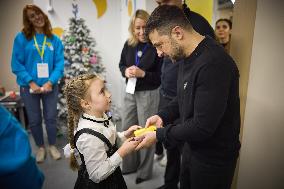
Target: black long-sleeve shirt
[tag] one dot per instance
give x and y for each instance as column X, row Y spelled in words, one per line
column 207, row 103
column 170, row 70
column 149, row 62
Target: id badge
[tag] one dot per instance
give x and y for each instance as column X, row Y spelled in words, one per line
column 131, row 84
column 42, row 70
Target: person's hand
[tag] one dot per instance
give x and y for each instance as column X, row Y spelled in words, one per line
column 47, row 87
column 128, row 146
column 154, row 120
column 129, row 72
column 35, row 88
column 130, row 131
column 148, row 139
column 138, row 72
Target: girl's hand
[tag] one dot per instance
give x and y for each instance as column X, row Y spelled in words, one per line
column 127, row 147
column 130, row 132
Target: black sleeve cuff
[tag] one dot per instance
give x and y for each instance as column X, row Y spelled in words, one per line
column 123, row 71
column 160, row 134
column 163, row 135
column 164, row 117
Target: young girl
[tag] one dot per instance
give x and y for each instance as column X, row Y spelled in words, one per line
column 92, row 133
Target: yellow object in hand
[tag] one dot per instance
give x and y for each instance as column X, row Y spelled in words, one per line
column 144, row 130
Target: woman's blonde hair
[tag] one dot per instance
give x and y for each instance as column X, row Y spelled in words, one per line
column 142, row 14
column 76, row 90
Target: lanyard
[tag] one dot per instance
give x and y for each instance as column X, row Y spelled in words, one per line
column 41, row 53
column 139, row 54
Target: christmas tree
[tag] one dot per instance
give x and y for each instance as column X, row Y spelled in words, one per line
column 80, row 57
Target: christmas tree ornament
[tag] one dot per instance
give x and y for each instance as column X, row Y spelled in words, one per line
column 93, row 59
column 85, row 50
column 71, row 39
column 75, row 10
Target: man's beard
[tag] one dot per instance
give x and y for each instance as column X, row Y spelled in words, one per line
column 177, row 52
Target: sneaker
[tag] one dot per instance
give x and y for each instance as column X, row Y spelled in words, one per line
column 163, row 162
column 55, row 154
column 40, row 155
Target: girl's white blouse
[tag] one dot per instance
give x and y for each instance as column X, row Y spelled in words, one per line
column 98, row 165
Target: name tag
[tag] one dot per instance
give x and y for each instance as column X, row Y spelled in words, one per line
column 42, row 70
column 131, row 84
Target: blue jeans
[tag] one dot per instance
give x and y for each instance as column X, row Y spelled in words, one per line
column 34, row 112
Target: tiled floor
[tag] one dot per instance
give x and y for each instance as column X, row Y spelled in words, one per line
column 58, row 175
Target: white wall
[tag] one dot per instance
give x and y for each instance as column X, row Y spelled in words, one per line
column 262, row 152
column 110, row 32
column 220, row 13
column 11, row 24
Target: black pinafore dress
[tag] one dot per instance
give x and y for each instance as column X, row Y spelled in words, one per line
column 114, row 181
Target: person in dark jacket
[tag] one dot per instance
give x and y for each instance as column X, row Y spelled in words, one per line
column 141, row 67
column 207, row 101
column 168, row 92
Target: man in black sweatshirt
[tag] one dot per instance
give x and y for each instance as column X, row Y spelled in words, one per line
column 207, row 100
column 168, row 91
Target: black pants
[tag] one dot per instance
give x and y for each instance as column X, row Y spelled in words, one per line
column 172, row 171
column 172, row 168
column 159, row 148
column 197, row 174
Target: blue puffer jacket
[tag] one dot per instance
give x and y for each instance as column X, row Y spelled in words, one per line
column 18, row 168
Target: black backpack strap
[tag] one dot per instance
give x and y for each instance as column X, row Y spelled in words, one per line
column 92, row 132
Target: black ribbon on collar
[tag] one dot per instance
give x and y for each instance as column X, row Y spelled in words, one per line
column 105, row 122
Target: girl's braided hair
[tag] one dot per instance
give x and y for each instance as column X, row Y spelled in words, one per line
column 74, row 91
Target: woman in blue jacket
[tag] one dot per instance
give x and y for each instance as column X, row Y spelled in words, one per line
column 38, row 63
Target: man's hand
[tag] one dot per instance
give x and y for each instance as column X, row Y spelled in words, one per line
column 148, row 139
column 47, row 87
column 130, row 131
column 154, row 120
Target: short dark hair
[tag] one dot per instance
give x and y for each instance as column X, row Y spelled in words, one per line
column 164, row 18
column 229, row 22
